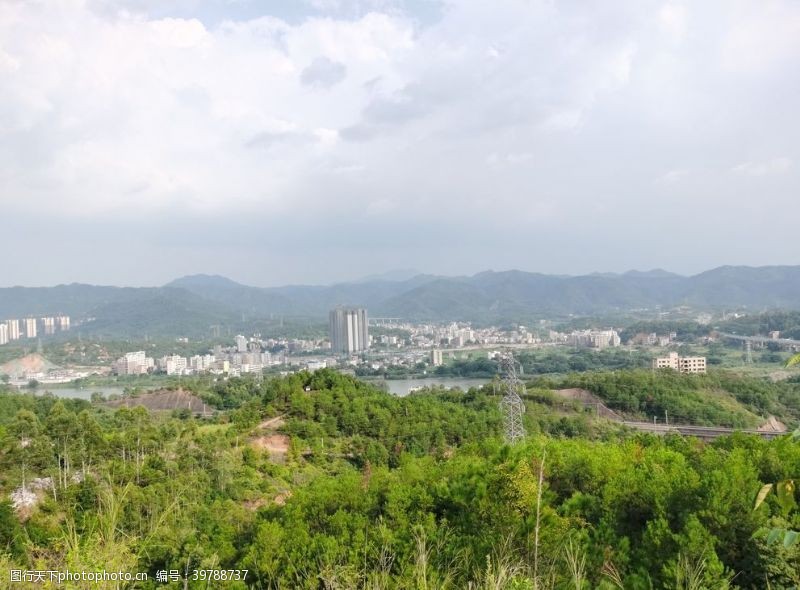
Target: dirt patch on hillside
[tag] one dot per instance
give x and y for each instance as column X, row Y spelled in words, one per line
column 276, row 444
column 272, row 423
column 280, row 499
column 164, row 400
column 772, row 425
column 29, row 364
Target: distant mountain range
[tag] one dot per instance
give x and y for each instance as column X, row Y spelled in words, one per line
column 191, row 304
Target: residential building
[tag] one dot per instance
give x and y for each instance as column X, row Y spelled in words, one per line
column 683, row 364
column 13, row 329
column 3, row 334
column 63, row 322
column 221, row 366
column 174, row 364
column 436, row 357
column 133, row 363
column 241, row 343
column 49, row 326
column 348, row 330
column 594, row 338
column 30, row 327
column 202, row 363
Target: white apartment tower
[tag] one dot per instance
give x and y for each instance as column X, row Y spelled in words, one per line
column 13, row 329
column 3, row 334
column 30, row 327
column 348, row 330
column 49, row 325
column 63, row 322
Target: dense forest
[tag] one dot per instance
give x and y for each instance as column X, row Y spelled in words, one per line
column 374, row 491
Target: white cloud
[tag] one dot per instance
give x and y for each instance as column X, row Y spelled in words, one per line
column 180, row 33
column 672, row 176
column 764, row 168
column 119, row 114
column 672, row 18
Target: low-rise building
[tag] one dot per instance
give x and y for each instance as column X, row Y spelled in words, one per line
column 683, row 364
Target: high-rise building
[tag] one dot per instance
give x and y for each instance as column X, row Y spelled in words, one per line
column 30, row 327
column 13, row 329
column 436, row 357
column 63, row 322
column 3, row 334
column 348, row 330
column 49, row 326
column 241, row 343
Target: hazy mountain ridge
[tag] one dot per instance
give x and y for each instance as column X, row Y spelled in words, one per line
column 190, row 304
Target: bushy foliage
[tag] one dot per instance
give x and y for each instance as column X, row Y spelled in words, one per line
column 720, row 398
column 377, row 491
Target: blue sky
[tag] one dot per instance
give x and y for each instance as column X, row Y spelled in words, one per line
column 321, row 140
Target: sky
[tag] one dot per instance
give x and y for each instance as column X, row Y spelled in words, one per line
column 316, row 141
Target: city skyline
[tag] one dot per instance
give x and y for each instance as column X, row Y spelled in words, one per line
column 451, row 137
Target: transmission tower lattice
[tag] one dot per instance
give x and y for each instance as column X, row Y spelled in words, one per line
column 511, row 404
column 748, row 352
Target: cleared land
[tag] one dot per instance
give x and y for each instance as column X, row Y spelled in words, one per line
column 163, row 401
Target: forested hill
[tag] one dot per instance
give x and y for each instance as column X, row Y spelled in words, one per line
column 487, row 296
column 513, row 294
column 321, row 481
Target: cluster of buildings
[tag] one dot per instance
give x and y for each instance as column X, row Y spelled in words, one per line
column 15, row 329
column 349, row 333
column 653, row 339
column 349, row 337
column 246, row 356
column 587, row 338
column 454, row 335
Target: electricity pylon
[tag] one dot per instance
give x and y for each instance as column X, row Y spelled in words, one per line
column 511, row 404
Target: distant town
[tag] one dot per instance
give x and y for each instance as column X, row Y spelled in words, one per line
column 356, row 344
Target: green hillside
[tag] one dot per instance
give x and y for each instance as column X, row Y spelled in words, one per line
column 484, row 297
column 321, row 481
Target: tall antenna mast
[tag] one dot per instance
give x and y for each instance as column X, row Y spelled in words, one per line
column 511, row 404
